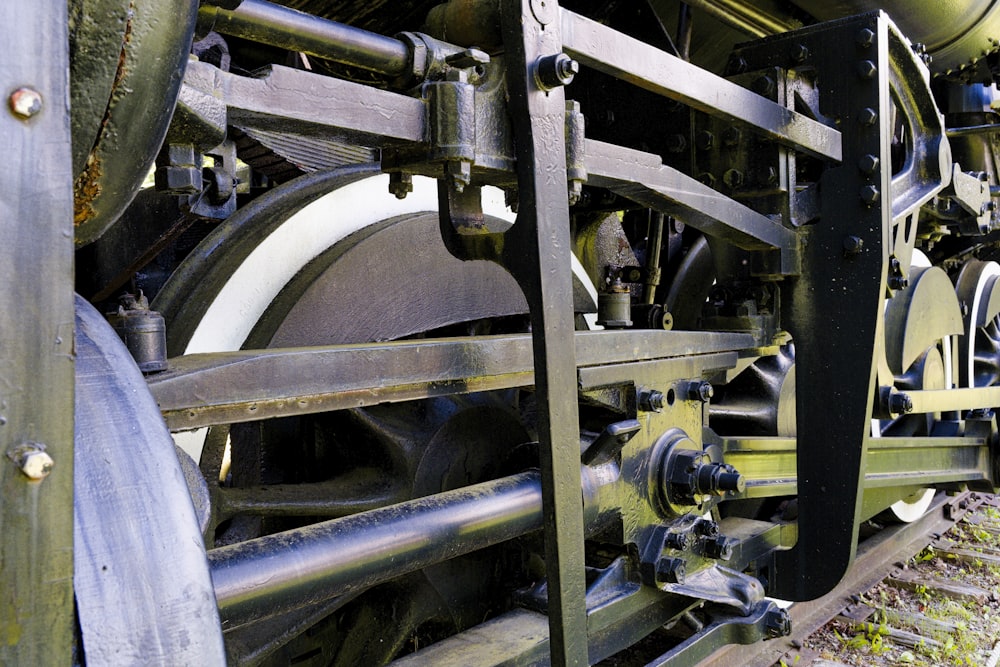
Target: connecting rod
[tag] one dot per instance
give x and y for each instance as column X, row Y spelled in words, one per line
column 279, row 572
column 270, row 23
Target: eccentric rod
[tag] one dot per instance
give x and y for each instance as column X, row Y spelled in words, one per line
column 269, row 23
column 287, row 570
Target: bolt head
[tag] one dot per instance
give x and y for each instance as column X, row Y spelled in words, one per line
column 733, row 178
column 778, row 623
column 853, row 245
column 705, row 140
column 900, row 404
column 867, row 69
column 676, row 143
column 870, row 195
column 800, row 52
column 865, row 38
column 868, row 164
column 670, row 571
column 555, row 70
column 25, row 102
column 32, row 459
column 37, row 465
column 868, row 117
column 763, row 85
column 738, row 65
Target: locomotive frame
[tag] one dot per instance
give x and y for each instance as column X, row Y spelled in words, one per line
column 816, row 262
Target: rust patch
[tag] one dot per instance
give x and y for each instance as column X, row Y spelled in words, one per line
column 86, row 189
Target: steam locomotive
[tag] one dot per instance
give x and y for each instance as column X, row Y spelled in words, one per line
column 484, row 332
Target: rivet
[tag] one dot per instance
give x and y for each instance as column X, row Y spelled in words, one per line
column 25, row 102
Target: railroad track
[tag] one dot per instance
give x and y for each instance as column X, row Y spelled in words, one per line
column 879, row 558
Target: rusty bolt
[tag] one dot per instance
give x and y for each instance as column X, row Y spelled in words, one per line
column 868, row 116
column 865, row 38
column 870, row 195
column 25, row 102
column 867, row 69
column 731, row 137
column 868, row 164
column 32, row 459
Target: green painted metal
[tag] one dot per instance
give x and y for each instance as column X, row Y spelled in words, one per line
column 36, row 336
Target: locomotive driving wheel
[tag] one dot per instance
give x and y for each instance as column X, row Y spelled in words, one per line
column 347, row 263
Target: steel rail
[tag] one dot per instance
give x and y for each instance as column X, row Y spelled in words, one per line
column 875, row 559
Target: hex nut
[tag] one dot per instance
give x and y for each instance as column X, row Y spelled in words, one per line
column 868, row 164
column 778, row 623
column 867, row 69
column 556, row 70
column 25, row 102
column 870, row 194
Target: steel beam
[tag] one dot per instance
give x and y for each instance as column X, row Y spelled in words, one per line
column 227, row 387
column 538, row 254
column 629, row 59
column 643, row 178
column 36, row 353
column 297, row 101
column 834, row 310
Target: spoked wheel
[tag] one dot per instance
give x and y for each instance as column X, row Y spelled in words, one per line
column 333, row 259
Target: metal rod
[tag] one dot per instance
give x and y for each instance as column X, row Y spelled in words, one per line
column 268, row 23
column 684, row 29
column 751, row 20
column 298, row 567
column 972, row 130
column 653, row 247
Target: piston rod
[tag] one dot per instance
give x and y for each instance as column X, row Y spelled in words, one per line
column 254, row 579
column 269, row 23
